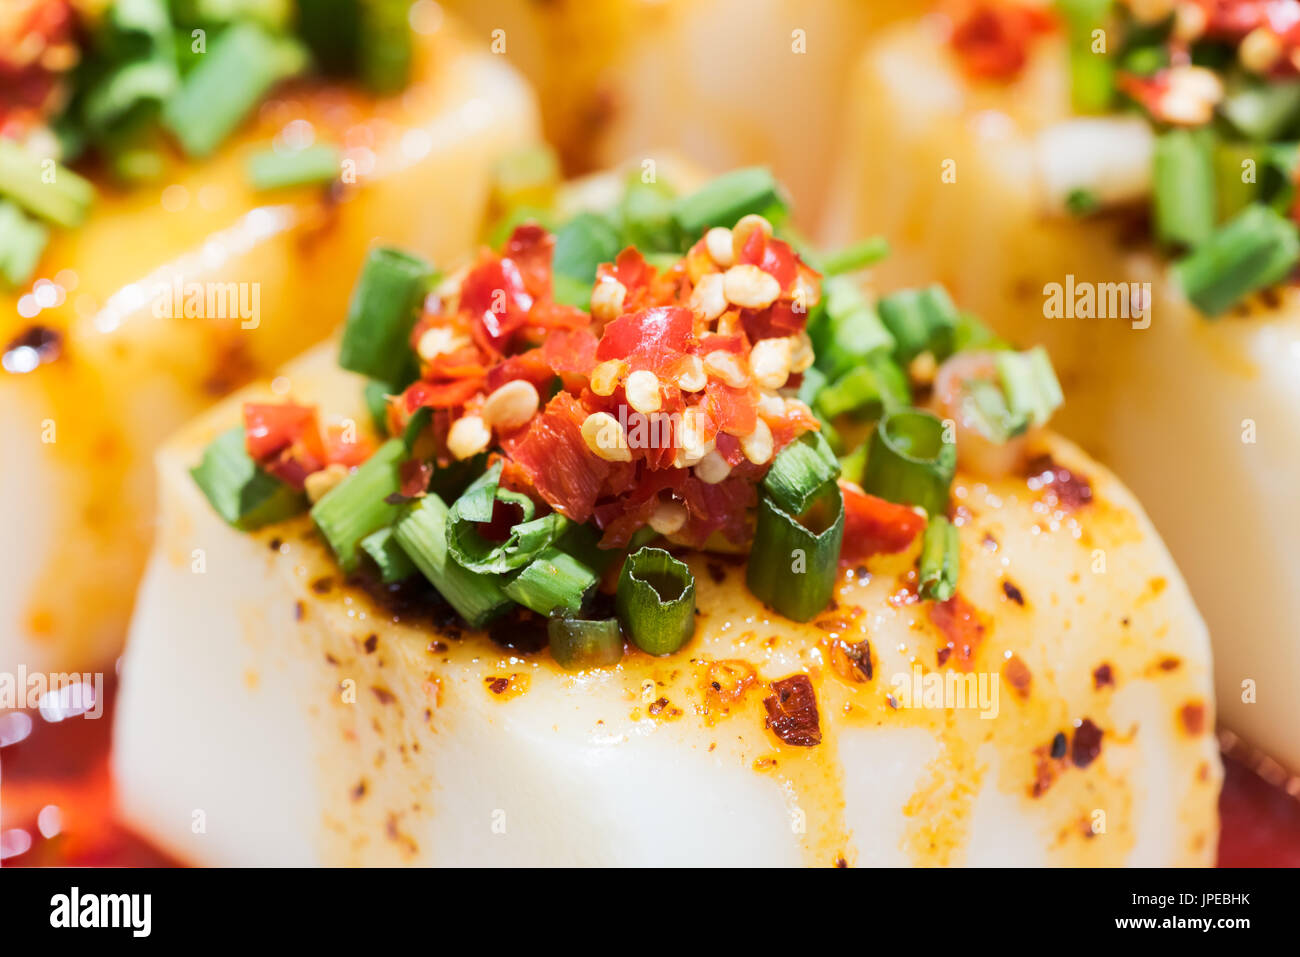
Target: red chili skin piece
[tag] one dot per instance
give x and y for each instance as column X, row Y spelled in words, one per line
column 269, row 428
column 531, row 247
column 792, row 712
column 992, row 38
column 441, row 395
column 651, row 338
column 873, row 526
column 551, row 451
column 961, row 626
column 495, row 298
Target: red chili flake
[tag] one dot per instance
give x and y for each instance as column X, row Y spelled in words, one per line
column 34, row 346
column 792, row 712
column 1086, row 745
column 873, row 526
column 1103, row 677
column 1193, row 717
column 498, row 685
column 383, row 694
column 1012, row 592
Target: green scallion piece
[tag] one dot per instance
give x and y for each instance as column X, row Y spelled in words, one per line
column 376, row 395
column 43, row 187
column 920, row 320
column 971, row 333
column 1183, row 187
column 860, row 255
column 1092, row 74
column 846, row 329
column 22, row 241
column 1081, row 202
column 909, row 462
column 1264, row 111
column 724, row 200
column 986, row 406
column 646, row 216
column 940, row 559
column 239, row 491
column 384, row 307
column 388, row 556
column 330, row 29
column 527, row 538
column 656, row 601
column 355, row 507
column 386, row 46
column 800, row 471
column 133, row 86
column 582, row 244
column 1030, row 384
column 795, row 557
column 1233, row 189
column 422, row 533
column 1255, row 250
column 866, row 390
column 552, row 583
column 240, row 67
column 270, row 169
column 583, row 543
column 579, row 643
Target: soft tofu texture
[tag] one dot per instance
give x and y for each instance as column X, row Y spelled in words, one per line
column 77, row 484
column 722, row 81
column 1200, row 417
column 271, row 713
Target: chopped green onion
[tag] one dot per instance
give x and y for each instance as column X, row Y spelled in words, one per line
column 22, row 241
column 385, row 45
column 1183, row 188
column 526, row 177
column 422, row 533
column 583, row 543
column 1256, row 249
column 1092, row 75
column 1232, row 190
column 42, row 186
column 972, row 334
column 1030, row 384
column 1081, row 202
column 269, row 169
column 795, row 557
column 866, row 390
column 940, row 559
column 854, row 464
column 526, row 540
column 920, row 320
column 646, row 216
column 582, row 244
column 724, row 200
column 239, row 491
column 578, row 643
column 376, row 395
column 845, row 328
column 656, row 601
column 860, row 255
column 356, row 506
column 800, row 471
column 987, row 407
column 241, row 66
column 1264, row 111
column 135, row 84
column 909, row 461
column 554, row 582
column 384, row 307
column 330, row 29
column 393, row 563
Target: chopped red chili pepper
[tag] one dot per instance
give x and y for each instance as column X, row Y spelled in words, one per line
column 792, row 712
column 873, row 526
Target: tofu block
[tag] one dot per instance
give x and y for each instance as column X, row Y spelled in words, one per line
column 726, row 82
column 1199, row 416
column 273, row 271
column 272, row 713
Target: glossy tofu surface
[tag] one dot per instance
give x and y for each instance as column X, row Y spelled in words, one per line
column 272, row 713
column 273, row 271
column 1198, row 416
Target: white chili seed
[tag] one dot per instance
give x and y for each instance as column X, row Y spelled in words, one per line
column 605, row 437
column 511, row 406
column 468, row 436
